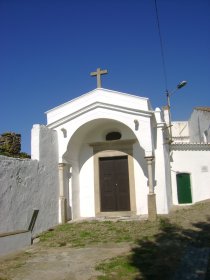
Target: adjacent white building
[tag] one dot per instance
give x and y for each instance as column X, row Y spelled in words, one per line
column 190, row 163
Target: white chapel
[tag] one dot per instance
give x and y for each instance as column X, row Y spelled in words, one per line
column 113, row 157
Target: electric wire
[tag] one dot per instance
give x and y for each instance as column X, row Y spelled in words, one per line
column 161, row 48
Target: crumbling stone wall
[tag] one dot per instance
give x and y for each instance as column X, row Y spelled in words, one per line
column 10, row 145
column 10, row 142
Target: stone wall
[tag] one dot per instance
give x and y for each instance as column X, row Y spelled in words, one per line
column 10, row 145
column 10, row 142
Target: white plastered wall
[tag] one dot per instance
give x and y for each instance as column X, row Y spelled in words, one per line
column 197, row 164
column 45, row 150
column 28, row 184
column 141, row 179
column 162, row 167
column 180, row 131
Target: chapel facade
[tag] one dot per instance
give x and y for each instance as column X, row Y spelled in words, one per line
column 106, row 151
column 114, row 158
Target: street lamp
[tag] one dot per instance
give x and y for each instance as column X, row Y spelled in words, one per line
column 168, row 95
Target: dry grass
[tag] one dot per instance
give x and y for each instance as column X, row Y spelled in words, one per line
column 95, row 232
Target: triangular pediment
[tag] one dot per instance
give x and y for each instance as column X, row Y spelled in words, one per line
column 99, row 97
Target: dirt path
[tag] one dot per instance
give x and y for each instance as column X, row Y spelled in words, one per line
column 62, row 263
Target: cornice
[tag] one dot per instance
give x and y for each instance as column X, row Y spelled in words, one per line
column 190, row 147
column 121, row 145
column 102, row 105
column 99, row 91
column 113, row 143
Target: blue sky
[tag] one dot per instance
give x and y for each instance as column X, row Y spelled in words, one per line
column 49, row 47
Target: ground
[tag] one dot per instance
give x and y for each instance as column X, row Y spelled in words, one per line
column 112, row 250
column 62, row 263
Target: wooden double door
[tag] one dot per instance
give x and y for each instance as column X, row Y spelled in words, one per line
column 114, row 184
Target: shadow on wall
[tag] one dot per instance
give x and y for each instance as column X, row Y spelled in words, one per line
column 93, row 132
column 160, row 257
column 139, row 155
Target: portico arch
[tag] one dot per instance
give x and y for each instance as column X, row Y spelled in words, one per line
column 87, row 145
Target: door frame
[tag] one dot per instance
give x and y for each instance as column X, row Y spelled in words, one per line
column 114, row 149
column 116, row 193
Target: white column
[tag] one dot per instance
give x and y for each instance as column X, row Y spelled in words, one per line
column 152, row 210
column 150, row 173
column 62, row 199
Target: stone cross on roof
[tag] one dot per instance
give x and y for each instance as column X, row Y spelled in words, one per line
column 98, row 73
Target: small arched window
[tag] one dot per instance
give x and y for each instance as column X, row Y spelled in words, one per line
column 114, row 135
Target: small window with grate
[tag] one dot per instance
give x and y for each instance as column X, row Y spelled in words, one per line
column 114, row 135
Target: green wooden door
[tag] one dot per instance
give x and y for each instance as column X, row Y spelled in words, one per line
column 184, row 188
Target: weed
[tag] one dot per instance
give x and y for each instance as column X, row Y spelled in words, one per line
column 117, row 268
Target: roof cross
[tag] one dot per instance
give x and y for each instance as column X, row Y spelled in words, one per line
column 98, row 73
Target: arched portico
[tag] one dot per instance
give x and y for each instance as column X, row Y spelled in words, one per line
column 87, row 146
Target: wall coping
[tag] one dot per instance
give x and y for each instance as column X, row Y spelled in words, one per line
column 4, row 234
column 190, row 146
